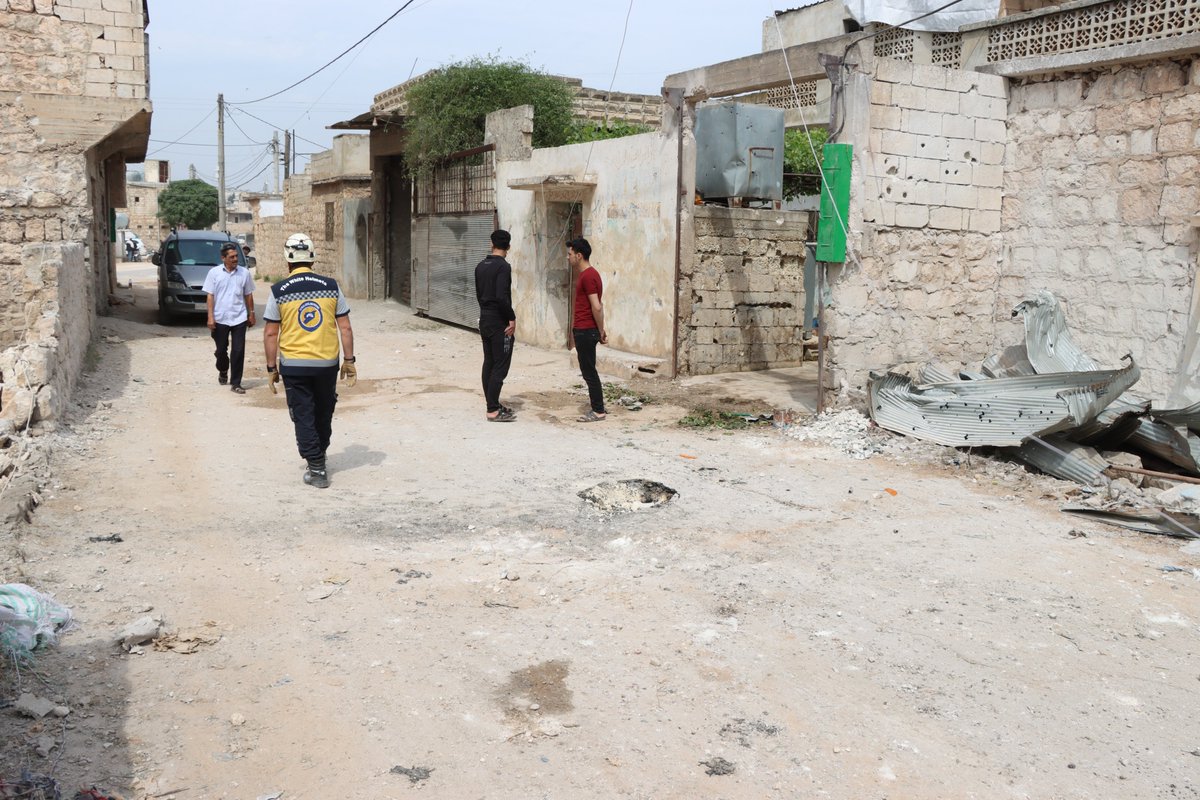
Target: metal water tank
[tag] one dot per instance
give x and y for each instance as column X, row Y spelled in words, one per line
column 739, row 151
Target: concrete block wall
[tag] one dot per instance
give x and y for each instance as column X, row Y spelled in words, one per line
column 741, row 305
column 937, row 143
column 1101, row 198
column 925, row 219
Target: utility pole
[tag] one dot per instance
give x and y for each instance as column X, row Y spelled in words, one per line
column 287, row 154
column 275, row 157
column 221, row 162
column 293, row 151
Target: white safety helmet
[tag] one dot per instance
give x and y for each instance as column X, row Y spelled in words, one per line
column 299, row 249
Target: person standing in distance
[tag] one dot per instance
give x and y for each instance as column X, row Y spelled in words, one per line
column 306, row 317
column 497, row 323
column 229, row 291
column 587, row 325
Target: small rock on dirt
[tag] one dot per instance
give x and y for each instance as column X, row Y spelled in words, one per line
column 33, row 706
column 415, row 774
column 717, row 766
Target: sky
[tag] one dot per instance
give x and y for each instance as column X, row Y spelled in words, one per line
column 249, row 49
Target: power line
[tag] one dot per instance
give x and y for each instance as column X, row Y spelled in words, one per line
column 337, row 58
column 181, row 138
column 207, row 144
column 252, row 177
column 279, row 128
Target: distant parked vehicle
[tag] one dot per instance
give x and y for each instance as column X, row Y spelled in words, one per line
column 183, row 262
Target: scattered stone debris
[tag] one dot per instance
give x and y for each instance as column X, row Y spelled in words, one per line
column 717, row 766
column 139, row 632
column 741, row 730
column 415, row 774
column 628, row 495
column 33, row 706
column 847, row 431
column 411, row 574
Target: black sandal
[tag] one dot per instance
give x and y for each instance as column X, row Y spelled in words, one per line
column 505, row 415
column 237, row 390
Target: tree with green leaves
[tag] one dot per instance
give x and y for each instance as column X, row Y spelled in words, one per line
column 190, row 203
column 447, row 108
column 801, row 157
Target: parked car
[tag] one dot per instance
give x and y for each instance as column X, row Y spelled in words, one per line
column 183, row 262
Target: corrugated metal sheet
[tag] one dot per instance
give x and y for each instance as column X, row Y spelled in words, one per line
column 1164, row 523
column 1062, row 458
column 420, row 264
column 457, row 242
column 1048, row 342
column 1010, row 363
column 1000, row 412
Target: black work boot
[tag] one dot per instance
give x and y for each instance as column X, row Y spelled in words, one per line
column 316, row 474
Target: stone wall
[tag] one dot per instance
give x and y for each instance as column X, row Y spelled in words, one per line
column 1101, row 197
column 72, row 105
column 742, row 299
column 318, row 208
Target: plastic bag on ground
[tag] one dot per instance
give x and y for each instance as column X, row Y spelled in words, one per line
column 29, row 619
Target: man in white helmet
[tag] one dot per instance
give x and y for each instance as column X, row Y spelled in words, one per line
column 306, row 318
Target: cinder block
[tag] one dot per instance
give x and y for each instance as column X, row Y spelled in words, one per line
column 962, row 196
column 893, row 71
column 881, row 93
column 912, row 216
column 991, row 130
column 98, row 17
column 907, row 96
column 930, row 76
column 985, row 221
column 927, row 193
column 942, row 102
column 991, row 85
column 887, row 118
column 950, row 219
column 987, row 176
column 955, row 172
column 934, row 147
column 898, row 143
column 923, row 169
column 957, row 126
column 923, row 122
column 118, row 6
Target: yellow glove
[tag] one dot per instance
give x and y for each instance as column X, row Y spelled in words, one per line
column 272, row 379
column 349, row 373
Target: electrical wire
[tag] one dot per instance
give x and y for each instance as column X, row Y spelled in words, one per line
column 252, row 177
column 181, row 138
column 328, row 64
column 280, row 128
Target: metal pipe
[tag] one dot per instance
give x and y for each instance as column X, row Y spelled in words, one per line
column 1168, row 475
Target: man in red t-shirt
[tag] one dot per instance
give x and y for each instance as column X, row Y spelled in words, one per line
column 587, row 325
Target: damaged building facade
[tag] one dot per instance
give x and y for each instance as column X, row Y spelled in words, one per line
column 74, row 110
column 1049, row 149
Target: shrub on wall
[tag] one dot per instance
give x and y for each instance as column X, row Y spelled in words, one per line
column 447, row 109
column 580, row 131
column 801, row 156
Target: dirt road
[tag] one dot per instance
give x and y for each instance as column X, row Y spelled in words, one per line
column 450, row 620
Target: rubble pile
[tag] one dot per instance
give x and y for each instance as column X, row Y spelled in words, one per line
column 847, row 431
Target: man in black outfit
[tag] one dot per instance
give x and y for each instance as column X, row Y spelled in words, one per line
column 497, row 323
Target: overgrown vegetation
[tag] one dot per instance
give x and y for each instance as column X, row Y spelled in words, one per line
column 613, row 392
column 800, row 163
column 447, row 109
column 707, row 418
column 191, row 203
column 580, row 131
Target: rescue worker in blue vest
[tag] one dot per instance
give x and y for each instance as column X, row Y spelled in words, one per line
column 306, row 317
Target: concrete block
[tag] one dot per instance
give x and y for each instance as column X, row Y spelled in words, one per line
column 930, row 76
column 975, row 105
column 987, row 176
column 926, row 193
column 991, row 85
column 912, row 216
column 119, row 6
column 962, row 196
column 119, row 33
column 957, row 126
column 985, row 221
column 942, row 102
column 950, row 219
column 67, row 14
column 881, row 93
column 956, row 172
column 83, row 4
column 907, row 96
column 991, row 130
column 98, row 17
column 898, row 143
column 886, row 118
column 990, row 199
column 893, row 71
column 923, row 169
column 926, row 123
column 935, row 147
column 103, row 46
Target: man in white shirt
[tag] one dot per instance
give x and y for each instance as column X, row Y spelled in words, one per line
column 230, row 291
